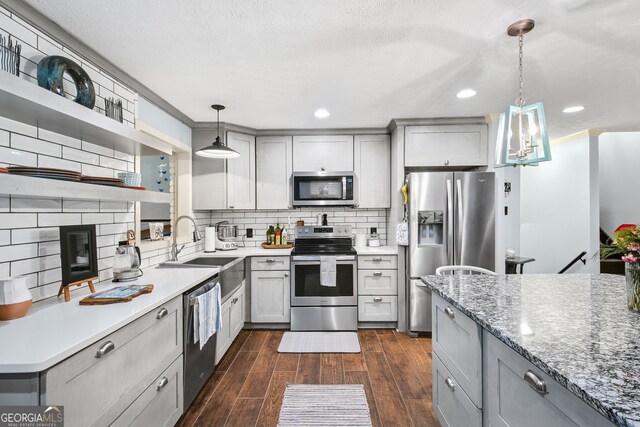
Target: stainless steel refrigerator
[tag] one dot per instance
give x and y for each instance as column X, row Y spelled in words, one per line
column 451, row 222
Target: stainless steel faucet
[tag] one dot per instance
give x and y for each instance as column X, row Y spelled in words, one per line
column 174, row 234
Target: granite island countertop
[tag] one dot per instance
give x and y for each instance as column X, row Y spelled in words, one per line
column 576, row 328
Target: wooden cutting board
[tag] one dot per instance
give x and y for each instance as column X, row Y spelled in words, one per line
column 117, row 294
column 287, row 246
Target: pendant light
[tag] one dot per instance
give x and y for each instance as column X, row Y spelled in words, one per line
column 522, row 130
column 218, row 150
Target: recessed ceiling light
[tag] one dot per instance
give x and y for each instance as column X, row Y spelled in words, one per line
column 466, row 93
column 321, row 113
column 574, row 109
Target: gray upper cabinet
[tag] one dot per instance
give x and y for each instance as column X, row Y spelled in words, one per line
column 372, row 167
column 445, row 145
column 274, row 161
column 241, row 172
column 323, row 152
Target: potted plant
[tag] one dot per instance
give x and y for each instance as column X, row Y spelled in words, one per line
column 626, row 243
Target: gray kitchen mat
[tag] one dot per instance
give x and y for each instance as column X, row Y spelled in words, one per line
column 319, row 342
column 324, row 405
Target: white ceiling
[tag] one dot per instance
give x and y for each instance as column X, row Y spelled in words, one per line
column 273, row 63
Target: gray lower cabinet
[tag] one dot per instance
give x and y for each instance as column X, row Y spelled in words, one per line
column 232, row 322
column 160, row 404
column 99, row 383
column 451, row 404
column 270, row 289
column 377, row 288
column 511, row 400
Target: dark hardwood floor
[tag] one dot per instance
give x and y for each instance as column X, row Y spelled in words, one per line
column 248, row 384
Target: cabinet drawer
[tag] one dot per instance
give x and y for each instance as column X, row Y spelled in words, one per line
column 377, row 261
column 378, row 308
column 270, row 263
column 457, row 340
column 451, row 404
column 160, row 404
column 511, row 401
column 95, row 390
column 377, row 282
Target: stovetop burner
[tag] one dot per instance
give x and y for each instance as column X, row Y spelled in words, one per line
column 324, row 240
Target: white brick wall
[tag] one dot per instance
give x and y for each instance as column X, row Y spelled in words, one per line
column 36, row 45
column 362, row 220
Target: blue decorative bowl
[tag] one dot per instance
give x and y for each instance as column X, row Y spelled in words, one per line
column 131, row 179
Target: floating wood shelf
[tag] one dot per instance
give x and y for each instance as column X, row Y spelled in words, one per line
column 28, row 103
column 31, row 187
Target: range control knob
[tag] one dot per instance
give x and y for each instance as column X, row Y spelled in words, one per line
column 306, row 229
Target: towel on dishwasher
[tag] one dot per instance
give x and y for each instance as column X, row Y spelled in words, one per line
column 328, row 271
column 207, row 315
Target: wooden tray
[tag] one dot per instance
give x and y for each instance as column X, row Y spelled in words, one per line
column 137, row 290
column 287, row 246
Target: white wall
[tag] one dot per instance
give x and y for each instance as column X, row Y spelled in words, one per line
column 619, row 174
column 165, row 123
column 560, row 208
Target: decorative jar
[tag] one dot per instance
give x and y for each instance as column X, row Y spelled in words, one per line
column 632, row 274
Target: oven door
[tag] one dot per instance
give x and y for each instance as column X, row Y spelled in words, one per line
column 322, row 189
column 305, row 282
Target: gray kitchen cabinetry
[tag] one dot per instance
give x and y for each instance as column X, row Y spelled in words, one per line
column 99, row 383
column 372, row 168
column 446, row 145
column 232, row 313
column 317, row 153
column 377, row 288
column 274, row 162
column 516, row 393
column 270, row 290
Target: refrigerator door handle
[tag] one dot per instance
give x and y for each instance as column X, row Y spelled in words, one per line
column 449, row 223
column 459, row 239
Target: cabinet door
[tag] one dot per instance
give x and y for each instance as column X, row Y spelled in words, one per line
column 382, row 308
column 223, row 337
column 274, row 163
column 511, row 401
column 317, row 153
column 451, row 404
column 241, row 172
column 372, row 167
column 270, row 297
column 461, row 145
column 209, row 175
column 236, row 313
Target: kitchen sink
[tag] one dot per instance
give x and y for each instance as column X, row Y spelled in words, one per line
column 207, row 262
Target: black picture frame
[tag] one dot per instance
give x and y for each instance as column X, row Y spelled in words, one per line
column 68, row 234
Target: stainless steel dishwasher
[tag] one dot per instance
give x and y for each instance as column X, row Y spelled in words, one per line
column 200, row 364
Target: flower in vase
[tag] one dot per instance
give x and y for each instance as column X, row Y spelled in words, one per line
column 623, row 226
column 630, row 259
column 625, row 244
column 633, row 247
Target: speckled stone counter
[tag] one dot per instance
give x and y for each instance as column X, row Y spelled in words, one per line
column 576, row 328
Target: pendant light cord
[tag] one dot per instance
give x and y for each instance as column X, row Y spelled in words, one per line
column 520, row 101
column 218, row 111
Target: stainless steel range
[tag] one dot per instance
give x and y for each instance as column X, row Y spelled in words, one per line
column 316, row 306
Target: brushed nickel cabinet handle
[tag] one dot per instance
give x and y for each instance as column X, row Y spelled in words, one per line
column 449, row 382
column 377, row 299
column 162, row 383
column 231, row 207
column 270, row 260
column 449, row 312
column 535, row 382
column 377, row 259
column 163, row 312
column 377, row 273
column 106, row 348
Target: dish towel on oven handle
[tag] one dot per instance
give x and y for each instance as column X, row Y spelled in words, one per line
column 328, row 271
column 207, row 316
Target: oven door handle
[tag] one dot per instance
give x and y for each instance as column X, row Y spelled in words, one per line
column 317, row 258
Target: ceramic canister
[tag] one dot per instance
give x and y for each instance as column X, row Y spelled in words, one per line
column 15, row 298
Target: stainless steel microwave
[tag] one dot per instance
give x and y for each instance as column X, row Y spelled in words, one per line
column 323, row 188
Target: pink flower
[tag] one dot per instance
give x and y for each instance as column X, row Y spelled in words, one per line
column 630, row 259
column 633, row 247
column 623, row 226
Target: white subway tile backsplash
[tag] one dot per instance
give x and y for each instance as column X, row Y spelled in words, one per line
column 5, row 205
column 4, row 138
column 17, row 157
column 18, row 220
column 49, row 276
column 35, row 205
column 91, row 170
column 48, row 220
column 116, row 207
column 94, row 148
column 59, row 139
column 29, row 235
column 80, row 206
column 109, row 162
column 48, row 248
column 34, row 265
column 53, row 162
column 27, row 143
column 5, row 269
column 102, row 241
column 124, row 217
column 15, row 252
column 5, row 237
column 80, row 156
column 97, row 218
column 112, row 229
column 124, row 156
column 18, row 30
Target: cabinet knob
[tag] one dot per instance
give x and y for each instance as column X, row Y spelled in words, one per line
column 377, row 299
column 163, row 382
column 106, row 348
column 535, row 382
column 231, row 207
column 446, row 162
column 322, row 168
column 163, row 312
column 449, row 382
column 286, row 274
column 449, row 312
column 356, row 205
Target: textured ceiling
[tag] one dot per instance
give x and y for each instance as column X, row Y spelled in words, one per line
column 273, row 63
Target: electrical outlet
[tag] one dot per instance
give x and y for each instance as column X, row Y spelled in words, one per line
column 249, row 233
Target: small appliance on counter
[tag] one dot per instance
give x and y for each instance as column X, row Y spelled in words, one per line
column 126, row 261
column 374, row 238
column 226, row 235
column 15, row 297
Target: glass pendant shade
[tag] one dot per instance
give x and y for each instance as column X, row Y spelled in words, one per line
column 522, row 136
